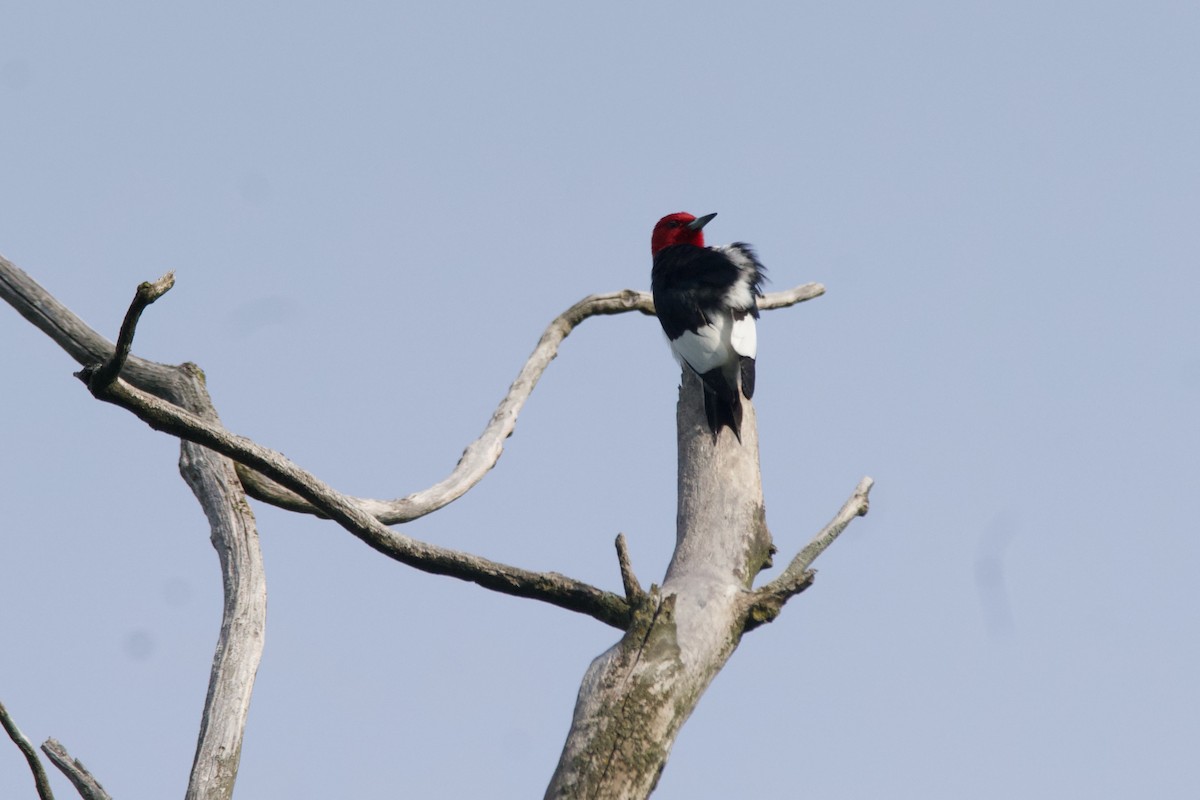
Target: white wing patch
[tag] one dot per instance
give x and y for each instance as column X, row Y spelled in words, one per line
column 703, row 350
column 715, row 344
column 743, row 337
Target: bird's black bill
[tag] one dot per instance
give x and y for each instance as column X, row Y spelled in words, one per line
column 700, row 222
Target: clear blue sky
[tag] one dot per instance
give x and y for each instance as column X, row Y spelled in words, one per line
column 373, row 211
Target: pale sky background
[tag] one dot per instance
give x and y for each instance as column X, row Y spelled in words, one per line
column 373, row 210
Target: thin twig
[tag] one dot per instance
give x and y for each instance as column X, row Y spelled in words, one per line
column 26, row 747
column 88, row 787
column 147, row 293
column 856, row 506
column 634, row 594
column 766, row 602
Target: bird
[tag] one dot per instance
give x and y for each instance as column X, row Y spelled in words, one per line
column 706, row 301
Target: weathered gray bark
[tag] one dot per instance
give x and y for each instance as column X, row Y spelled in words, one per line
column 88, row 787
column 234, row 534
column 637, row 695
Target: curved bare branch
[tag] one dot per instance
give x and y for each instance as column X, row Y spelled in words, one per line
column 146, row 294
column 26, row 747
column 89, row 348
column 483, row 453
column 548, row 587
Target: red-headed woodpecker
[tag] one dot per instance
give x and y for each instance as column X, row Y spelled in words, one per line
column 706, row 301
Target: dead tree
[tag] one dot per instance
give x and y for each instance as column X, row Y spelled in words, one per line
column 634, row 698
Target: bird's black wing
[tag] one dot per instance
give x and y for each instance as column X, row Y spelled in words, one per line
column 686, row 280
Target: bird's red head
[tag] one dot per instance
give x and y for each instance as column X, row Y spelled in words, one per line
column 680, row 228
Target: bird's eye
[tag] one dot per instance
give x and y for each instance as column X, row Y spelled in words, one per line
column 673, row 223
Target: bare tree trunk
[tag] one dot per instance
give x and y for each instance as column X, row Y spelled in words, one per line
column 636, row 696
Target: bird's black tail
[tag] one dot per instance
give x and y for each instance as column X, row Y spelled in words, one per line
column 722, row 404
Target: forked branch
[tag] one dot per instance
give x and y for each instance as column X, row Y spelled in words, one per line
column 88, row 787
column 767, row 601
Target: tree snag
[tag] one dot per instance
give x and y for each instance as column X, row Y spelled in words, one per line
column 634, row 698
